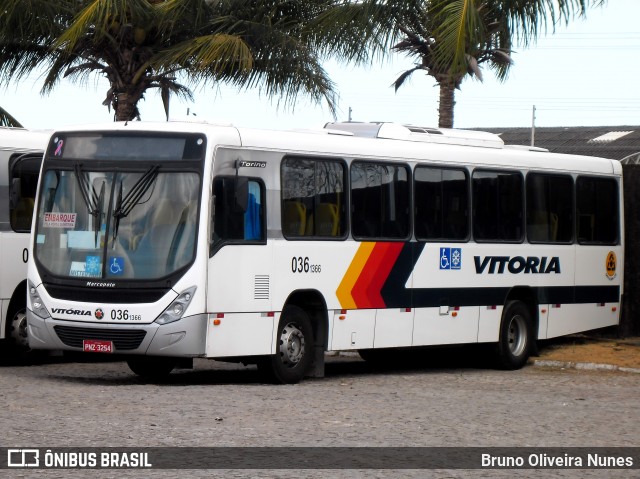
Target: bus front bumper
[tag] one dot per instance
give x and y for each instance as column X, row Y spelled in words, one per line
column 183, row 338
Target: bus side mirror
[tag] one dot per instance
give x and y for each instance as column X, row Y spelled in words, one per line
column 240, row 194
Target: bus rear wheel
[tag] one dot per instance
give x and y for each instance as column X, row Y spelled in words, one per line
column 516, row 336
column 152, row 367
column 294, row 348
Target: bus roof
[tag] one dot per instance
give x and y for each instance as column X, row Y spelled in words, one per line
column 21, row 139
column 384, row 141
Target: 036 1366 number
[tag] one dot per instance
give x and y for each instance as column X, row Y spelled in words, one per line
column 301, row 264
column 124, row 315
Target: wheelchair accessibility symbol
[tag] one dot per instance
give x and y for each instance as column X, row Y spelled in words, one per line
column 116, row 265
column 450, row 258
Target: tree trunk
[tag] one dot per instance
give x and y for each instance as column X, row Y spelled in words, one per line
column 125, row 106
column 447, row 102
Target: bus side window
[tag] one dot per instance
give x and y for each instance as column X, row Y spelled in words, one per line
column 232, row 224
column 313, row 198
column 597, row 210
column 380, row 200
column 498, row 206
column 441, row 201
column 549, row 208
column 24, row 172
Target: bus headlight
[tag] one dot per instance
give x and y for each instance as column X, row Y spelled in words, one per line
column 37, row 306
column 177, row 308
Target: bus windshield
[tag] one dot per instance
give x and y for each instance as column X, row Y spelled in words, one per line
column 116, row 224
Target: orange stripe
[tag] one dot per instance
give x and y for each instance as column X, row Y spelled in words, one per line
column 351, row 276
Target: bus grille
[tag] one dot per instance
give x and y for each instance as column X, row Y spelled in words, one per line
column 123, row 339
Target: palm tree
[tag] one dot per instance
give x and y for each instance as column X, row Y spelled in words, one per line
column 7, row 120
column 452, row 39
column 143, row 44
column 490, row 43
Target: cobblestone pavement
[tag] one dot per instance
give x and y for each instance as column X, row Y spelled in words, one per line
column 97, row 404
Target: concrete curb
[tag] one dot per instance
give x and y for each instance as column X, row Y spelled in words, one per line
column 543, row 363
column 587, row 366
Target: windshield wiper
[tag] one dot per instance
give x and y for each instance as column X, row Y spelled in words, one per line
column 94, row 203
column 83, row 182
column 126, row 204
column 98, row 220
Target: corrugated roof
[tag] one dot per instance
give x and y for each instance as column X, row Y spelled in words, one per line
column 615, row 142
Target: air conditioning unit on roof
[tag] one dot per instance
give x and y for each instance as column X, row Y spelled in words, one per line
column 396, row 131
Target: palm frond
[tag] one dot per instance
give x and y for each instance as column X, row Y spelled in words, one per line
column 456, row 25
column 363, row 31
column 103, row 18
column 207, row 56
column 286, row 76
column 34, row 20
column 7, row 120
column 405, row 76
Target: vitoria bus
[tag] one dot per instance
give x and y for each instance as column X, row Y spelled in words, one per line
column 20, row 159
column 172, row 241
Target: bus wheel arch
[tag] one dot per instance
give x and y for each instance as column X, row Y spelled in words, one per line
column 313, row 303
column 301, row 339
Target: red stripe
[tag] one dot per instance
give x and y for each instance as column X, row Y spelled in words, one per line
column 389, row 254
column 366, row 291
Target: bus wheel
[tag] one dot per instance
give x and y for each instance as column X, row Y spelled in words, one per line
column 152, row 367
column 17, row 331
column 516, row 332
column 294, row 348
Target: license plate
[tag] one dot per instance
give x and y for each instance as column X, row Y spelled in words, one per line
column 97, row 346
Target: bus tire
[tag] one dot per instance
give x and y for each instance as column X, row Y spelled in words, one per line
column 516, row 336
column 17, row 332
column 294, row 348
column 152, row 367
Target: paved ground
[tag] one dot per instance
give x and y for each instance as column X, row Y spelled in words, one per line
column 460, row 403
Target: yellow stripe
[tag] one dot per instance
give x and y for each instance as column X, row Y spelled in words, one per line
column 351, row 276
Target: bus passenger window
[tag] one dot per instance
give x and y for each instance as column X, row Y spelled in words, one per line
column 498, row 206
column 597, row 210
column 549, row 208
column 441, row 201
column 313, row 200
column 379, row 201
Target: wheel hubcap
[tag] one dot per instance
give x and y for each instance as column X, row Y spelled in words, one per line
column 517, row 336
column 291, row 345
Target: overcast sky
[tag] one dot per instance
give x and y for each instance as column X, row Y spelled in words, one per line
column 585, row 74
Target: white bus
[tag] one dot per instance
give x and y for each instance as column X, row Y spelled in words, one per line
column 20, row 159
column 172, row 241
